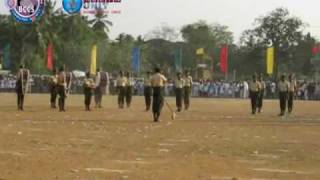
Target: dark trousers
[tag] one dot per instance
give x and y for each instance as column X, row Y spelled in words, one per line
column 254, row 101
column 260, row 99
column 158, row 101
column 283, row 101
column 20, row 95
column 147, row 96
column 290, row 101
column 179, row 93
column 121, row 96
column 98, row 96
column 87, row 98
column 186, row 98
column 53, row 97
column 62, row 97
column 129, row 92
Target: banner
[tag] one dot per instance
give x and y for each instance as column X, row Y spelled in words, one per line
column 93, row 66
column 177, row 54
column 270, row 60
column 200, row 51
column 135, row 60
column 224, row 59
column 49, row 57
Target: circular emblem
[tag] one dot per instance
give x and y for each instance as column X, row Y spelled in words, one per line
column 72, row 6
column 26, row 11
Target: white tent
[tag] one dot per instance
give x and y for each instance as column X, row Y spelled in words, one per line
column 78, row 74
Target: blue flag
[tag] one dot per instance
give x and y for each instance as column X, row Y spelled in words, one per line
column 136, row 60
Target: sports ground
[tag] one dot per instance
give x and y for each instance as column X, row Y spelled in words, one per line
column 217, row 139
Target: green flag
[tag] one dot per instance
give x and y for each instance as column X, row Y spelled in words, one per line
column 6, row 57
column 177, row 54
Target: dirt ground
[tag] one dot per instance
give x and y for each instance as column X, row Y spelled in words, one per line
column 217, row 139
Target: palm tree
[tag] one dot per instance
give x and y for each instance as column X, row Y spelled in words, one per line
column 100, row 24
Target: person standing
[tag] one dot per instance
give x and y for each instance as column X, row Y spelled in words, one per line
column 62, row 88
column 157, row 82
column 179, row 84
column 283, row 87
column 254, row 90
column 121, row 88
column 22, row 83
column 292, row 91
column 261, row 93
column 147, row 90
column 187, row 89
column 88, row 87
column 129, row 89
column 98, row 90
column 53, row 88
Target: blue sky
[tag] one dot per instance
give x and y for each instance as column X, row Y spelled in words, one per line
column 141, row 16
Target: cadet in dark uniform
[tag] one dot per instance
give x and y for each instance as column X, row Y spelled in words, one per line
column 62, row 84
column 261, row 93
column 157, row 82
column 88, row 87
column 187, row 89
column 98, row 90
column 121, row 88
column 21, row 86
column 292, row 91
column 53, row 88
column 254, row 90
column 129, row 88
column 179, row 84
column 283, row 87
column 147, row 90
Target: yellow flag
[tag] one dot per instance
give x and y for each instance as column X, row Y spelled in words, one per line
column 200, row 51
column 93, row 67
column 270, row 60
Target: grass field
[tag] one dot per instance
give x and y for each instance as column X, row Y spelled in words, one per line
column 217, row 139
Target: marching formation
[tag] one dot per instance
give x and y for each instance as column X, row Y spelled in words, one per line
column 154, row 84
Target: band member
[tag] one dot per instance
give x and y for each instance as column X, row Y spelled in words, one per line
column 179, row 84
column 254, row 88
column 22, row 83
column 121, row 88
column 283, row 86
column 88, row 88
column 157, row 82
column 261, row 93
column 147, row 90
column 98, row 90
column 292, row 91
column 187, row 89
column 53, row 81
column 129, row 88
column 62, row 89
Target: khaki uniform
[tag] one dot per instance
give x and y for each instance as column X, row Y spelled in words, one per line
column 62, row 84
column 157, row 82
column 98, row 90
column 88, row 86
column 129, row 91
column 187, row 91
column 261, row 95
column 179, row 84
column 254, row 88
column 292, row 90
column 147, row 92
column 21, row 86
column 283, row 87
column 53, row 82
column 121, row 86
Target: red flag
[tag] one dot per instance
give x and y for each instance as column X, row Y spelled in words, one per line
column 315, row 49
column 49, row 57
column 224, row 59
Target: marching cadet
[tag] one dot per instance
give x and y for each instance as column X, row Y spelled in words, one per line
column 147, row 90
column 292, row 91
column 157, row 82
column 121, row 88
column 187, row 89
column 261, row 93
column 53, row 88
column 283, row 87
column 88, row 87
column 179, row 84
column 22, row 86
column 61, row 88
column 254, row 88
column 129, row 88
column 98, row 90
